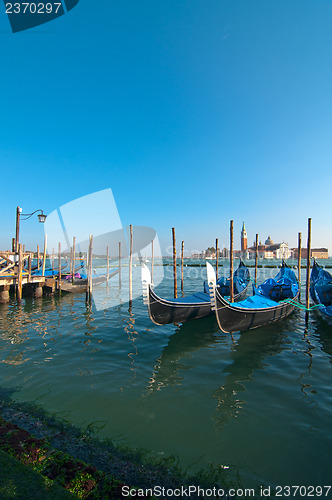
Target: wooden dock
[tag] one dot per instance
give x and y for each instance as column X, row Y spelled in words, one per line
column 17, row 279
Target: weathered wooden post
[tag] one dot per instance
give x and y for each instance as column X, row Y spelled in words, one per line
column 20, row 265
column 59, row 264
column 119, row 265
column 152, row 260
column 307, row 296
column 182, row 251
column 73, row 260
column 217, row 255
column 131, row 266
column 89, row 272
column 107, row 264
column 299, row 257
column 38, row 257
column 256, row 258
column 4, row 294
column 174, row 264
column 44, row 255
column 231, row 262
column 29, row 268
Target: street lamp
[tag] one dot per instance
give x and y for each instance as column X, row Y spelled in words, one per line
column 19, row 215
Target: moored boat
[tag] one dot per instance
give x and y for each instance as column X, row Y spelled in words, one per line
column 321, row 290
column 272, row 301
column 164, row 311
column 52, row 272
column 79, row 284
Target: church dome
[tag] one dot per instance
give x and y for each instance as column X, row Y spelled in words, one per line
column 269, row 241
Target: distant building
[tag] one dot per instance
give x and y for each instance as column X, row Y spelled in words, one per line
column 317, row 253
column 268, row 250
column 268, row 242
column 273, row 251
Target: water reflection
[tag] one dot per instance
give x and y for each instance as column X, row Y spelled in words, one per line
column 248, row 354
column 188, row 338
column 323, row 331
column 132, row 335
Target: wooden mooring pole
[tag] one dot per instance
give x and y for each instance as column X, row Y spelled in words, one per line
column 73, row 260
column 29, row 268
column 38, row 257
column 89, row 272
column 307, row 295
column 174, row 264
column 217, row 255
column 44, row 255
column 182, row 252
column 59, row 267
column 20, row 265
column 119, row 265
column 231, row 261
column 152, row 259
column 131, row 266
column 299, row 258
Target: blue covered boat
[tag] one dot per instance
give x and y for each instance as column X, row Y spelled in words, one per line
column 321, row 290
column 55, row 272
column 195, row 306
column 272, row 301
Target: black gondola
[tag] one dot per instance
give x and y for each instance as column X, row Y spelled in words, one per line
column 79, row 285
column 35, row 267
column 272, row 301
column 196, row 306
column 321, row 290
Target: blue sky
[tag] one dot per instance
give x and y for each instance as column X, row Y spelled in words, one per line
column 193, row 112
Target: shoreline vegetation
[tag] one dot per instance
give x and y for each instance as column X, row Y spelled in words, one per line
column 62, row 455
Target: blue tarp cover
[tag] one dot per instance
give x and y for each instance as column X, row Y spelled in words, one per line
column 195, row 298
column 321, row 281
column 256, row 302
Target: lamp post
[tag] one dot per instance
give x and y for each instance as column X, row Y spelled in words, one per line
column 19, row 217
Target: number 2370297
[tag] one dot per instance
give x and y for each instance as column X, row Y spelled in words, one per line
column 32, row 8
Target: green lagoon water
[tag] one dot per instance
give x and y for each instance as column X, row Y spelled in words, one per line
column 258, row 403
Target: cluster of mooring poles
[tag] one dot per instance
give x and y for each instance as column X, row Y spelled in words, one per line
column 22, row 280
column 15, row 276
column 231, row 256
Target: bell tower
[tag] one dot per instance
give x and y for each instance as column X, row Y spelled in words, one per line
column 244, row 244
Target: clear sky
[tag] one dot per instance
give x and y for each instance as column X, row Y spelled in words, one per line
column 193, row 112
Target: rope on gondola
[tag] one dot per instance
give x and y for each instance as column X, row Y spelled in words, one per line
column 301, row 306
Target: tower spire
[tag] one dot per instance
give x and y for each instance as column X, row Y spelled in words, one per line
column 244, row 244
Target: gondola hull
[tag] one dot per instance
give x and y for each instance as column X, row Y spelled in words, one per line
column 233, row 319
column 256, row 311
column 164, row 311
column 326, row 313
column 80, row 284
